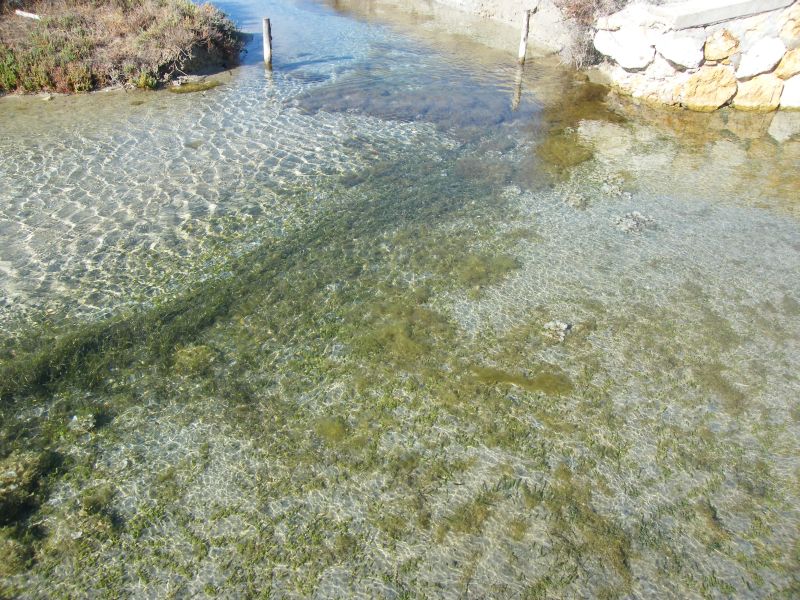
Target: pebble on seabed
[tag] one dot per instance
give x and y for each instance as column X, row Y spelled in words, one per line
column 634, row 222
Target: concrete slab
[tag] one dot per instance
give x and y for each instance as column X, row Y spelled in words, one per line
column 698, row 13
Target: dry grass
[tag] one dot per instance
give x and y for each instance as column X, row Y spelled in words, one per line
column 84, row 45
column 582, row 14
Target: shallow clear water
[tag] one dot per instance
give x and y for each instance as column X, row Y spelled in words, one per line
column 396, row 320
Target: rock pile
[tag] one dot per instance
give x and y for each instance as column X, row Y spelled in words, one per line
column 705, row 55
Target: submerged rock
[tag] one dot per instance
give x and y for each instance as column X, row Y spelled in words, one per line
column 576, row 200
column 557, row 330
column 633, row 222
column 784, row 126
column 81, row 424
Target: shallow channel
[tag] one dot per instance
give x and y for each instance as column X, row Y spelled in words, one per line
column 396, row 320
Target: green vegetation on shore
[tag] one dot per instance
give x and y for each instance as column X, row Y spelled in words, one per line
column 82, row 46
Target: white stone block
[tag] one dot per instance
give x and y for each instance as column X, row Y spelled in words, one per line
column 791, row 93
column 628, row 47
column 684, row 51
column 633, row 15
column 760, row 58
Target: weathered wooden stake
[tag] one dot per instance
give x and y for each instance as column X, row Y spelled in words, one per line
column 517, row 88
column 523, row 42
column 267, row 43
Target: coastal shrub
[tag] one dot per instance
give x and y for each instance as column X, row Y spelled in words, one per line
column 83, row 45
column 146, row 81
column 8, row 69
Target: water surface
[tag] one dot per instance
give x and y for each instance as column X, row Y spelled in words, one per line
column 396, row 320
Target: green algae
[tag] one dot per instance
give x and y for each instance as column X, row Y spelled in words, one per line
column 517, row 528
column 477, row 270
column 98, row 499
column 333, row 430
column 711, row 379
column 23, row 483
column 193, row 360
column 192, row 87
column 551, row 383
column 468, row 518
column 562, row 151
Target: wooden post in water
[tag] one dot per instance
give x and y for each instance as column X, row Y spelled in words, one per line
column 267, row 43
column 523, row 42
column 517, row 88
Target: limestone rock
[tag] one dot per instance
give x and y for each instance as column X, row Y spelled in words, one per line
column 761, row 93
column 557, row 330
column 785, row 125
column 761, row 58
column 789, row 65
column 628, row 47
column 636, row 14
column 658, row 84
column 660, row 70
column 709, row 88
column 721, row 45
column 681, row 50
column 790, row 98
column 790, row 32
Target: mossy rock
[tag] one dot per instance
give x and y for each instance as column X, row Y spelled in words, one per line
column 20, row 477
column 15, row 554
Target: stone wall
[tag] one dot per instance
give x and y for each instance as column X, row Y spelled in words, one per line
column 705, row 54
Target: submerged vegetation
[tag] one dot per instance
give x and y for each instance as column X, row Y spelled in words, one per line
column 317, row 405
column 425, row 381
column 82, row 46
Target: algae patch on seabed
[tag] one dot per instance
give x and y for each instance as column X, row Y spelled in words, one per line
column 547, row 381
column 310, row 415
column 563, row 150
column 191, row 87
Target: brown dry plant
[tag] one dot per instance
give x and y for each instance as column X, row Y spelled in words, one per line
column 85, row 45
